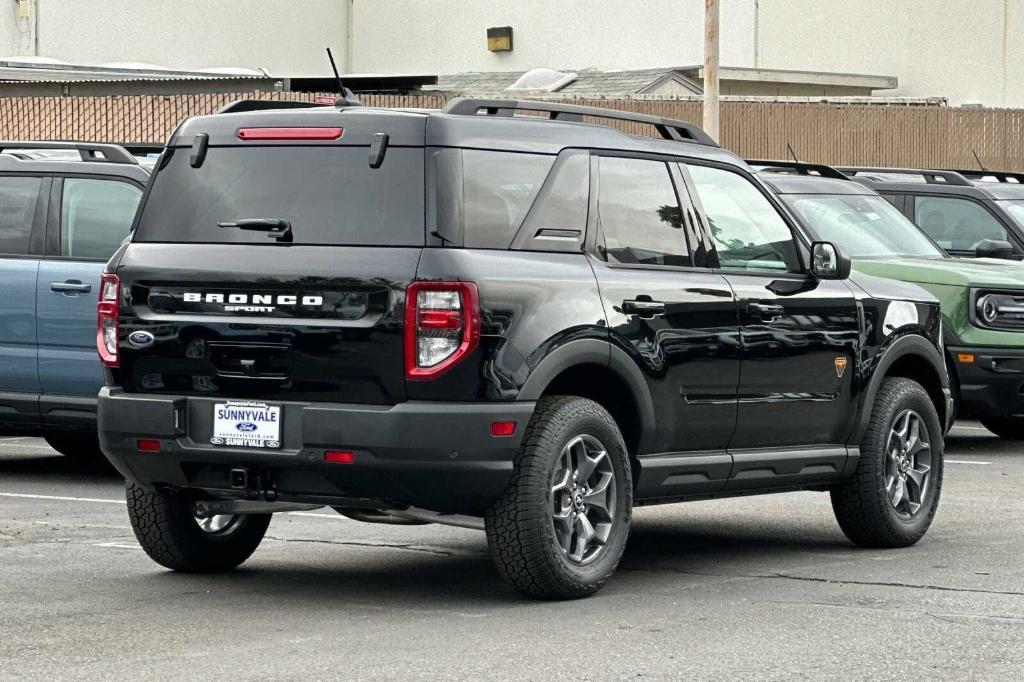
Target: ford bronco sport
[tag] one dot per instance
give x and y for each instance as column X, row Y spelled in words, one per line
column 980, row 297
column 523, row 324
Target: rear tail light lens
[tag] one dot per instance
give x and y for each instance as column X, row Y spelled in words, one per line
column 442, row 326
column 108, row 317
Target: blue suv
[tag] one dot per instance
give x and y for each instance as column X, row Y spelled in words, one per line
column 65, row 207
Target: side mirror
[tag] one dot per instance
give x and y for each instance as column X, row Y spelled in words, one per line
column 994, row 248
column 828, row 261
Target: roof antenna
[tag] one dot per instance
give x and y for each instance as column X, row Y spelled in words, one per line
column 346, row 98
column 978, row 159
column 792, row 153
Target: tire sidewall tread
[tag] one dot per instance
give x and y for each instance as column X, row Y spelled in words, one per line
column 520, row 534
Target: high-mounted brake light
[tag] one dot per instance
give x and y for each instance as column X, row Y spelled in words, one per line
column 442, row 326
column 108, row 318
column 257, row 134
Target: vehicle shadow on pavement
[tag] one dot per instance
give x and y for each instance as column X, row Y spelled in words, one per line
column 53, row 464
column 672, row 552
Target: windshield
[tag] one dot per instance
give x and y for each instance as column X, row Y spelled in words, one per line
column 1015, row 207
column 864, row 226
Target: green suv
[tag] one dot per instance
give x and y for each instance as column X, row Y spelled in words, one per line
column 982, row 299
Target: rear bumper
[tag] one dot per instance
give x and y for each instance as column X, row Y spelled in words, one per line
column 992, row 385
column 438, row 456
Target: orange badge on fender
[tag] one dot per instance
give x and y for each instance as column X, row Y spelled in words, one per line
column 840, row 366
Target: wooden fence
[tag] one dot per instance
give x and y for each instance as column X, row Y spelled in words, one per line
column 894, row 135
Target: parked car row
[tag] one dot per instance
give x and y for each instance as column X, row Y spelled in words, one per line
column 64, row 209
column 523, row 324
column 982, row 311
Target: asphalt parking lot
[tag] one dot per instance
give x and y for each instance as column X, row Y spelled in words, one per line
column 763, row 587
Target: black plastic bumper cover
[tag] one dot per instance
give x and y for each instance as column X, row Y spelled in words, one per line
column 992, row 385
column 438, row 456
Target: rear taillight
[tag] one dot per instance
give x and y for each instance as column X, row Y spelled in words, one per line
column 108, row 318
column 442, row 326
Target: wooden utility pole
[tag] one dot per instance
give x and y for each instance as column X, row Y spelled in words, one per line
column 711, row 99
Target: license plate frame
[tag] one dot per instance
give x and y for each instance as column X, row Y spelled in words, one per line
column 246, row 424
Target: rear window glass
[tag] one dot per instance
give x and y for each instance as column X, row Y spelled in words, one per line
column 330, row 195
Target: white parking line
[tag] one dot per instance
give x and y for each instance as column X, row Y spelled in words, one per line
column 60, row 498
column 965, row 461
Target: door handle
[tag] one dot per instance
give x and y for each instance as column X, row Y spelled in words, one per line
column 70, row 287
column 767, row 311
column 643, row 308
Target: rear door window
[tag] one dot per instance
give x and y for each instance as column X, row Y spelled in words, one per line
column 19, row 196
column 95, row 216
column 638, row 213
column 329, row 195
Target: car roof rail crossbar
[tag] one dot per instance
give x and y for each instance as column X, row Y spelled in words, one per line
column 88, row 151
column 1010, row 177
column 799, row 168
column 669, row 129
column 932, row 177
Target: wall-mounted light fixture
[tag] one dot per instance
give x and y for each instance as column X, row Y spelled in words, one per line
column 499, row 39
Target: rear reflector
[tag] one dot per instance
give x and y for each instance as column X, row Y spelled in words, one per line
column 250, row 134
column 339, row 457
column 502, row 429
column 148, row 445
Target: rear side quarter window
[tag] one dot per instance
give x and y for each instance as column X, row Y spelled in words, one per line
column 498, row 190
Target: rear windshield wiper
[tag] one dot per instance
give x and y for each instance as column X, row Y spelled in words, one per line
column 278, row 228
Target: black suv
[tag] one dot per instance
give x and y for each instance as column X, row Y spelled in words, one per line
column 969, row 213
column 524, row 324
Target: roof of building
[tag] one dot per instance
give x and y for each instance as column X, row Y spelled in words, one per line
column 644, row 81
column 42, row 70
column 610, row 82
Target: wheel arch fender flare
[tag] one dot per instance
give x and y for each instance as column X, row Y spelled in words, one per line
column 596, row 352
column 910, row 345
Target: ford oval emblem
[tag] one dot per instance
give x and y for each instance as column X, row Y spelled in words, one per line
column 141, row 339
column 246, row 427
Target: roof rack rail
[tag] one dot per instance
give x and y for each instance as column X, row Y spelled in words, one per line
column 670, row 129
column 88, row 151
column 799, row 168
column 932, row 177
column 1009, row 177
column 266, row 104
column 142, row 148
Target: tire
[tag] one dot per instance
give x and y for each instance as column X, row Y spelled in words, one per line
column 864, row 503
column 166, row 526
column 521, row 527
column 1006, row 428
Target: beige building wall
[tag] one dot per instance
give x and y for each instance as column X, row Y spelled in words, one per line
column 969, row 50
column 286, row 37
column 448, row 36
